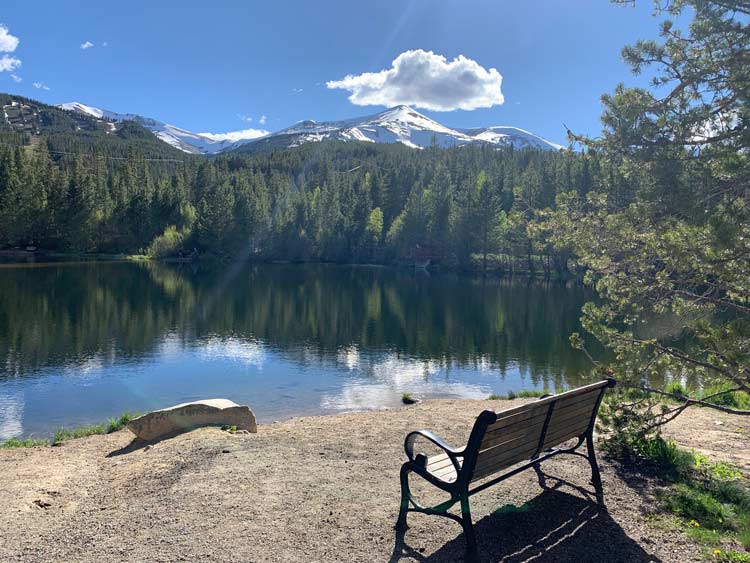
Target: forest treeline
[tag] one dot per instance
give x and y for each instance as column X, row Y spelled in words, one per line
column 343, row 202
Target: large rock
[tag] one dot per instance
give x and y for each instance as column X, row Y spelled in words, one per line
column 179, row 418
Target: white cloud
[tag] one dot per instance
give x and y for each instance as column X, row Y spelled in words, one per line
column 8, row 42
column 8, row 63
column 16, row 78
column 297, row 90
column 104, row 44
column 427, row 80
column 243, row 117
column 262, row 120
column 86, row 45
column 41, row 86
column 236, row 135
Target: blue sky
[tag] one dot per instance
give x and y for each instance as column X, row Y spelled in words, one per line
column 222, row 66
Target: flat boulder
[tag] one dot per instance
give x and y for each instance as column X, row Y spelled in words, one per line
column 186, row 416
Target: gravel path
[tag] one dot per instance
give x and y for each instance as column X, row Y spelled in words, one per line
column 312, row 489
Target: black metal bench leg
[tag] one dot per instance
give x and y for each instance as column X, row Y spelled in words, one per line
column 405, row 495
column 596, row 478
column 468, row 526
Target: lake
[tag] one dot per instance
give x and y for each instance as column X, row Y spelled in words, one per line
column 80, row 342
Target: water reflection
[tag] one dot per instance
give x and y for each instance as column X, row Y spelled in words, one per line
column 82, row 342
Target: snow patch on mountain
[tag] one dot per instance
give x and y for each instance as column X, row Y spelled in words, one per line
column 182, row 139
column 404, row 125
column 505, row 135
column 400, row 124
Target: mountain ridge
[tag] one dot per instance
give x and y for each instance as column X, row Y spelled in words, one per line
column 399, row 124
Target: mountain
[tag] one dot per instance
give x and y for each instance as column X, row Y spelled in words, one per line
column 25, row 121
column 182, row 139
column 400, row 124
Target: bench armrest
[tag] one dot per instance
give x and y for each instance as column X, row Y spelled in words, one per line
column 453, row 453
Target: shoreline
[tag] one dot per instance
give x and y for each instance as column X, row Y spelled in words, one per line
column 321, row 488
column 40, row 258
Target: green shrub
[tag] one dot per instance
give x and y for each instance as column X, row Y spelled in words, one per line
column 676, row 388
column 736, row 400
column 167, row 244
column 672, row 461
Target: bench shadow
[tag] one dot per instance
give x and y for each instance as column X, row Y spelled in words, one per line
column 553, row 527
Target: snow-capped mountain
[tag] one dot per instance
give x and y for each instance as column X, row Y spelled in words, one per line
column 400, row 124
column 186, row 141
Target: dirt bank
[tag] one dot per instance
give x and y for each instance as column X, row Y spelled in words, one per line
column 314, row 489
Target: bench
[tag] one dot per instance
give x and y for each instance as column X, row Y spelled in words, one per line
column 528, row 434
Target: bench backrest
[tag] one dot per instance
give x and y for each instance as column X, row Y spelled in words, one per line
column 505, row 438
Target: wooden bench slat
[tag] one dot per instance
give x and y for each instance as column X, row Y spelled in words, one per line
column 535, row 410
column 498, row 438
column 501, row 460
column 442, row 467
column 496, row 457
column 559, row 414
column 438, row 462
column 532, row 410
column 561, row 397
column 516, row 437
column 581, row 410
column 563, row 435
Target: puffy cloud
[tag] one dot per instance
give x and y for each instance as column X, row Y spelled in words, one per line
column 262, row 120
column 236, row 135
column 86, row 45
column 41, row 86
column 8, row 42
column 8, row 63
column 427, row 80
column 16, row 78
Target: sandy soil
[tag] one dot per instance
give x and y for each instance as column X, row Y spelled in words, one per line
column 318, row 489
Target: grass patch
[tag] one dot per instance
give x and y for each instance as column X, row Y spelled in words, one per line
column 739, row 400
column 709, row 502
column 115, row 424
column 525, row 394
column 407, row 399
column 28, row 443
column 697, row 505
column 730, row 556
column 64, row 434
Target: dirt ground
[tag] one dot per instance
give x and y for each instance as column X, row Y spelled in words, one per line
column 322, row 489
